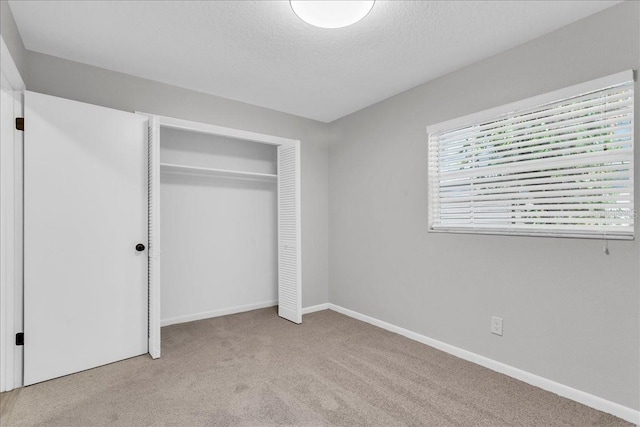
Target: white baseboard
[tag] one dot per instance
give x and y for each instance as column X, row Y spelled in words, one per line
column 233, row 310
column 628, row 414
column 217, row 313
column 314, row 308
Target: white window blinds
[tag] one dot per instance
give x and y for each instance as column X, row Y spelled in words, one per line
column 558, row 164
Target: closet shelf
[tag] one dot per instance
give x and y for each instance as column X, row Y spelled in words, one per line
column 224, row 173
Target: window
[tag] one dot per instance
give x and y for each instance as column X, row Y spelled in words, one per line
column 559, row 164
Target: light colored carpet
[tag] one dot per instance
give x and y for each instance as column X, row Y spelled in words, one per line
column 255, row 369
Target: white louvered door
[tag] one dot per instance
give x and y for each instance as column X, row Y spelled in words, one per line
column 154, row 236
column 289, row 238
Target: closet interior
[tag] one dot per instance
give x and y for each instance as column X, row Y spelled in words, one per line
column 219, row 225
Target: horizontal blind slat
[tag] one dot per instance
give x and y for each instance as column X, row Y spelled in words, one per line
column 558, row 107
column 613, row 115
column 513, row 146
column 623, row 156
column 610, row 170
column 562, row 150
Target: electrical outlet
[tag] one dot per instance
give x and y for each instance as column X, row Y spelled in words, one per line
column 496, row 325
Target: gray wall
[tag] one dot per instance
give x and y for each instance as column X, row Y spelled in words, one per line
column 72, row 80
column 11, row 36
column 571, row 313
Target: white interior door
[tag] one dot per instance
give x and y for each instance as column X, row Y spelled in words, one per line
column 85, row 207
column 289, row 237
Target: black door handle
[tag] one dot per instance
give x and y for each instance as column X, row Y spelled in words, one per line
column 139, row 247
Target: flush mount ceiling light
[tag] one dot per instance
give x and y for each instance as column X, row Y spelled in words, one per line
column 331, row 13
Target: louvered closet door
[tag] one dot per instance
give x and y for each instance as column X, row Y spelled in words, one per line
column 154, row 236
column 289, row 241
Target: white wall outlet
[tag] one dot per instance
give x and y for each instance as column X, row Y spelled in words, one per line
column 496, row 325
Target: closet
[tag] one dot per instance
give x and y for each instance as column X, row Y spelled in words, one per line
column 224, row 223
column 135, row 220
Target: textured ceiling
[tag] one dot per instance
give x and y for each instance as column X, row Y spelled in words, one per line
column 260, row 53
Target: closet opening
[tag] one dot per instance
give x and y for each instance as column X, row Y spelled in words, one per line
column 224, row 223
column 218, row 204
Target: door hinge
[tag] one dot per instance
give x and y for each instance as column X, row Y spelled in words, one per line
column 20, row 123
column 20, row 338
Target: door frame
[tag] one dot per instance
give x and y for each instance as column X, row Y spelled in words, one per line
column 11, row 265
column 156, row 122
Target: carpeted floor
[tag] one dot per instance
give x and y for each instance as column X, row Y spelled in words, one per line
column 255, row 369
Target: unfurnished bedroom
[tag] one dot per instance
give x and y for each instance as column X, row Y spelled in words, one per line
column 319, row 213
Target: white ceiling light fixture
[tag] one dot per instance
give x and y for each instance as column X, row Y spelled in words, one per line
column 331, row 13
